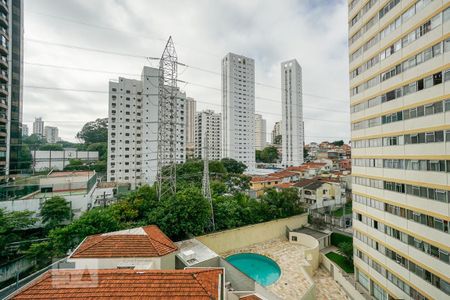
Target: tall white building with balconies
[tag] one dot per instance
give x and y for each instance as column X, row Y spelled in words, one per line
column 260, row 132
column 208, row 129
column 38, row 127
column 238, row 108
column 51, row 134
column 400, row 121
column 133, row 129
column 292, row 111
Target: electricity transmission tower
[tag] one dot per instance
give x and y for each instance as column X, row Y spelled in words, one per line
column 205, row 186
column 167, row 122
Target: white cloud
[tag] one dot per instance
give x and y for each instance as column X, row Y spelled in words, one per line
column 313, row 32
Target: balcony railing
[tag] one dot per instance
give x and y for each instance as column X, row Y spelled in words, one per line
column 3, row 6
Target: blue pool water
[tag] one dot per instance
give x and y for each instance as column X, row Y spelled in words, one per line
column 258, row 267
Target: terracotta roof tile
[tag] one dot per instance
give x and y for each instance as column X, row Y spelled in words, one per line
column 150, row 242
column 250, row 297
column 193, row 284
column 283, row 174
column 263, row 179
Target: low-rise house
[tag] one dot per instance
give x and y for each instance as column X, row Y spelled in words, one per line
column 320, row 194
column 197, row 283
column 138, row 248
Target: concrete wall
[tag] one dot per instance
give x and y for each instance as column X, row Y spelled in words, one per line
column 228, row 240
column 168, row 261
column 340, row 278
column 11, row 269
column 312, row 254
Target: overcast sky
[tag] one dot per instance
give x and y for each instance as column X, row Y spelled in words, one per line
column 312, row 31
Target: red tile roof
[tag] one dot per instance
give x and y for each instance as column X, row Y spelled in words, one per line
column 250, row 297
column 305, row 182
column 147, row 241
column 283, row 174
column 263, row 179
column 191, row 284
column 285, row 185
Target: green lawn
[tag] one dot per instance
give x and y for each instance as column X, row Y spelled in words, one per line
column 339, row 212
column 340, row 261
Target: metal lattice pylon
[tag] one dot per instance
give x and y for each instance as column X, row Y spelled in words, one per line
column 167, row 122
column 205, row 184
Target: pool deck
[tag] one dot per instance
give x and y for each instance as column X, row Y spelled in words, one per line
column 293, row 283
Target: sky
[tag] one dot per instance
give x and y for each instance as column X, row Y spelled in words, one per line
column 73, row 48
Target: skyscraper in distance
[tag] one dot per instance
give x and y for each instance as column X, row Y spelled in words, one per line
column 400, row 129
column 292, row 113
column 260, row 132
column 190, row 126
column 238, row 109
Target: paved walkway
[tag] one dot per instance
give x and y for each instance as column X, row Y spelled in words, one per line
column 326, row 287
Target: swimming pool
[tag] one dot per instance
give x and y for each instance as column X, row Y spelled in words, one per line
column 258, row 267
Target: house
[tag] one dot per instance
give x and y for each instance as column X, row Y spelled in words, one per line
column 196, row 283
column 345, row 164
column 259, row 183
column 140, row 248
column 320, row 194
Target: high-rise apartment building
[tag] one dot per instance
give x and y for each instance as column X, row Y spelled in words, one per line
column 11, row 74
column 292, row 112
column 133, row 129
column 400, row 120
column 190, row 126
column 38, row 127
column 208, row 129
column 260, row 132
column 238, row 108
column 51, row 134
column 276, row 132
column 25, row 130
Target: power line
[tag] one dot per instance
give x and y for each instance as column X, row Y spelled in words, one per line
column 187, row 82
column 187, row 65
column 143, row 94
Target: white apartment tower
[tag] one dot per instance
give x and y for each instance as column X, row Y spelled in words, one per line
column 51, row 134
column 238, row 108
column 208, row 129
column 292, row 112
column 133, row 129
column 400, row 121
column 190, row 126
column 38, row 126
column 260, row 132
column 276, row 131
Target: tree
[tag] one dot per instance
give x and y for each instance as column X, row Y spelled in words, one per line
column 94, row 132
column 56, row 211
column 305, row 153
column 233, row 166
column 282, row 204
column 25, row 158
column 51, row 147
column 34, row 141
column 101, row 148
column 11, row 224
column 338, row 143
column 346, row 249
column 278, row 139
column 187, row 213
column 258, row 156
column 269, row 154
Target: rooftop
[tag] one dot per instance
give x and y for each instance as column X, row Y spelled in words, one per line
column 148, row 241
column 193, row 252
column 314, row 233
column 191, row 284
